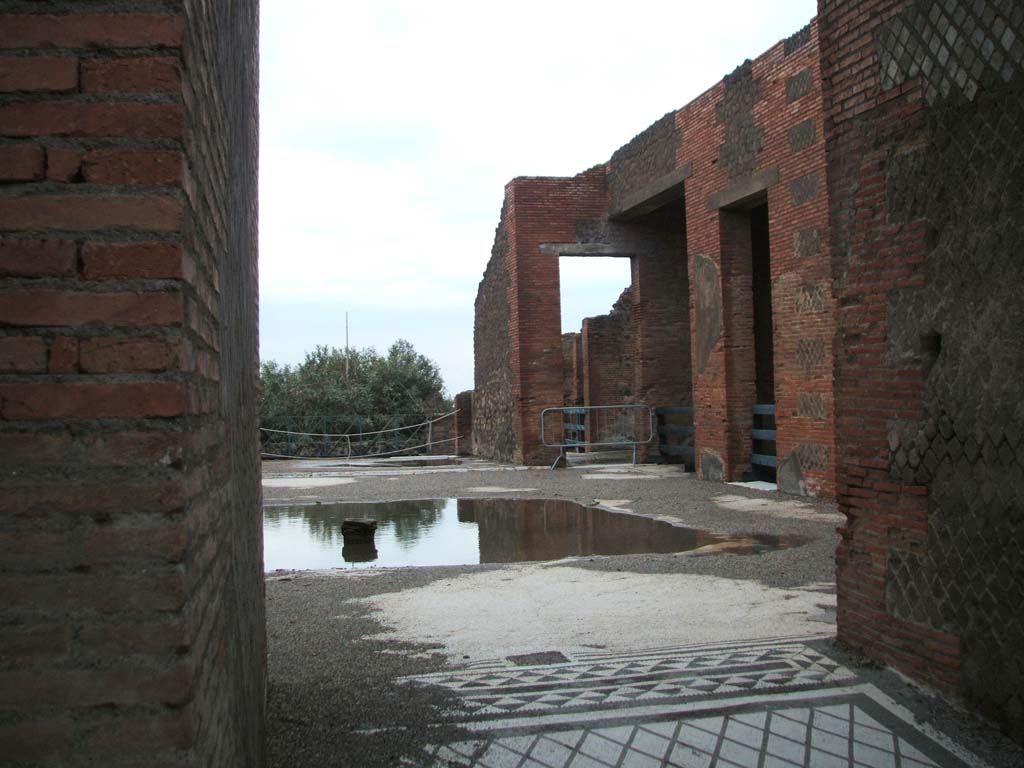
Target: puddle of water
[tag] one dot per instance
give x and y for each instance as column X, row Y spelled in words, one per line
column 472, row 531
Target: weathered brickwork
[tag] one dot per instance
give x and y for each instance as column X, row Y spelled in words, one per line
column 608, row 344
column 518, row 334
column 676, row 201
column 925, row 103
column 494, row 434
column 643, row 161
column 718, row 202
column 572, row 369
column 797, row 40
column 464, row 423
column 661, row 300
column 735, row 111
column 131, row 615
column 443, row 435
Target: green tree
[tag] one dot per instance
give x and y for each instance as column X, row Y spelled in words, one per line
column 334, row 387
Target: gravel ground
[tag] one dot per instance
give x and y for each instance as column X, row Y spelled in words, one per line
column 335, row 697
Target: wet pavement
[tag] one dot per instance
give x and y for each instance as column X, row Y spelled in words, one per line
column 474, row 531
column 669, row 658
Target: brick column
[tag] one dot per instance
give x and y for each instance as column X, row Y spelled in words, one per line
column 542, row 210
column 738, row 340
column 924, row 107
column 131, row 602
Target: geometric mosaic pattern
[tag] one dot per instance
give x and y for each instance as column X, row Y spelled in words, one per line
column 807, row 243
column 810, row 298
column 802, row 135
column 659, row 676
column 953, row 46
column 799, row 85
column 922, row 451
column 836, row 734
column 810, row 405
column 812, row 457
column 810, row 353
column 774, row 704
column 804, row 189
column 963, row 442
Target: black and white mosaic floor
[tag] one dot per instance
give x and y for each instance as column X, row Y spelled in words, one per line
column 773, row 704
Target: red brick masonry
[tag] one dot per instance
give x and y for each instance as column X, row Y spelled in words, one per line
column 671, row 201
column 131, row 601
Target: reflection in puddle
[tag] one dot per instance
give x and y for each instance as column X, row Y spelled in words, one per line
column 471, row 531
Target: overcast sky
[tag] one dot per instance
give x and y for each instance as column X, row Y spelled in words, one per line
column 389, row 130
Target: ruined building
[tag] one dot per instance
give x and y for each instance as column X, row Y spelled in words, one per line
column 722, row 210
column 864, row 177
column 835, row 229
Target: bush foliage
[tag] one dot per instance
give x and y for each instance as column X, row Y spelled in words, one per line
column 360, row 388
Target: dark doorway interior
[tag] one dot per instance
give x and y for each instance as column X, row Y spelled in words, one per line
column 763, row 436
column 762, row 289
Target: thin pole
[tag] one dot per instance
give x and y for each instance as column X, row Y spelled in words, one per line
column 346, row 346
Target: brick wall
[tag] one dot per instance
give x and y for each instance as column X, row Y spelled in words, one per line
column 675, row 196
column 661, row 297
column 645, row 160
column 131, row 603
column 572, row 369
column 925, row 103
column 443, row 435
column 608, row 355
column 542, row 211
column 757, row 138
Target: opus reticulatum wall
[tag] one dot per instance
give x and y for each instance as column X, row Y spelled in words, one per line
column 925, row 131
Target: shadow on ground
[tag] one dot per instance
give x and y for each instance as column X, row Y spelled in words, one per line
column 349, row 710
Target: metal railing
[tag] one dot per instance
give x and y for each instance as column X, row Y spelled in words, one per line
column 393, row 441
column 290, row 444
column 628, row 425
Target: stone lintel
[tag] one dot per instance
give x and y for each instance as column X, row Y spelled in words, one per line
column 585, row 249
column 654, row 195
column 740, row 190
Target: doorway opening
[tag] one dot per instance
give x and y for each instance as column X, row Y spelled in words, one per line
column 761, row 283
column 762, row 459
column 747, row 291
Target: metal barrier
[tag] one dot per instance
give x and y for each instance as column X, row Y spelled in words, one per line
column 591, row 427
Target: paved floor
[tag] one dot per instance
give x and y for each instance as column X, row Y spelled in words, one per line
column 389, row 667
column 776, row 704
